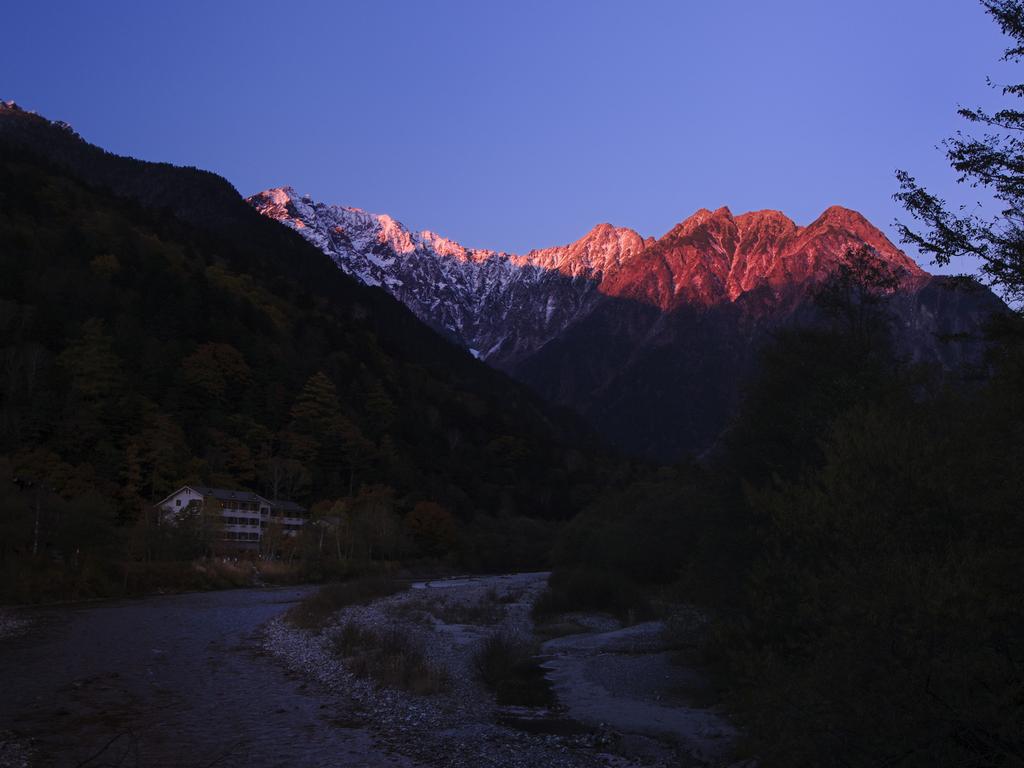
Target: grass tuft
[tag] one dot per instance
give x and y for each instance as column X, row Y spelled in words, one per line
column 388, row 657
column 486, row 610
column 586, row 590
column 509, row 666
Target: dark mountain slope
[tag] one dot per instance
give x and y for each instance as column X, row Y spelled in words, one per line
column 155, row 329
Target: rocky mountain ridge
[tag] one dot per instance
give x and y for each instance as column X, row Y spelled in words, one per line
column 504, row 307
column 649, row 339
column 500, row 306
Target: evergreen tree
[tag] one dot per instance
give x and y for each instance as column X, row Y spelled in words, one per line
column 94, row 367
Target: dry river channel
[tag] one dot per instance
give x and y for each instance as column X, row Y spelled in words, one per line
column 217, row 679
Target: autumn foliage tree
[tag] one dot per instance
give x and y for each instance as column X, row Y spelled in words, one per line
column 431, row 528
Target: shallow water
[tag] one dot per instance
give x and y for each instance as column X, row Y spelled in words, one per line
column 171, row 681
column 621, row 678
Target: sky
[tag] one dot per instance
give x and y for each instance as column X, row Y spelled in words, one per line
column 517, row 125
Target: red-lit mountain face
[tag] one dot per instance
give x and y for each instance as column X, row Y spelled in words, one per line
column 715, row 257
column 649, row 339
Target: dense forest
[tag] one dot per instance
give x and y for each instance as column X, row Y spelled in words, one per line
column 146, row 346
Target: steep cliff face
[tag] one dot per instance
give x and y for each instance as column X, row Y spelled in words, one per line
column 648, row 338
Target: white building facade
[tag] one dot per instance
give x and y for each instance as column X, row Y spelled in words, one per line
column 245, row 515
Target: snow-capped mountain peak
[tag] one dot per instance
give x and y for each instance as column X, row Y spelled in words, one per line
column 506, row 306
column 498, row 304
column 648, row 338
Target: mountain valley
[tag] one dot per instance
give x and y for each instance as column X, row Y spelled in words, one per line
column 649, row 339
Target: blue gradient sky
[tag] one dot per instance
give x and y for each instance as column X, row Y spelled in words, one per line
column 520, row 124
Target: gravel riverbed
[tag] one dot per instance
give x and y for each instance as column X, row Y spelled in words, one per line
column 15, row 752
column 12, row 624
column 463, row 727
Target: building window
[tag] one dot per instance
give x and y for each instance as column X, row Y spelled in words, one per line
column 177, row 502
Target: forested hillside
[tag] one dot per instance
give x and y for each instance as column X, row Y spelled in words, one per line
column 145, row 347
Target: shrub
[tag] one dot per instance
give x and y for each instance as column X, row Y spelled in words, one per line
column 389, row 657
column 486, row 610
column 509, row 666
column 591, row 590
column 315, row 612
column 279, row 572
column 224, row 574
column 507, row 543
column 883, row 618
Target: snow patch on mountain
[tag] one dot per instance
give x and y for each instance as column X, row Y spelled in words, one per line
column 502, row 305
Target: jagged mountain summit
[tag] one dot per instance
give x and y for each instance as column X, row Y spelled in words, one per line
column 500, row 306
column 649, row 338
column 504, row 306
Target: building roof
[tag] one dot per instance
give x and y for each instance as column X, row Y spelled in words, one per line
column 227, row 494
column 221, row 494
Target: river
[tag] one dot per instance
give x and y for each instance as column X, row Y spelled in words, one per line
column 170, row 681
